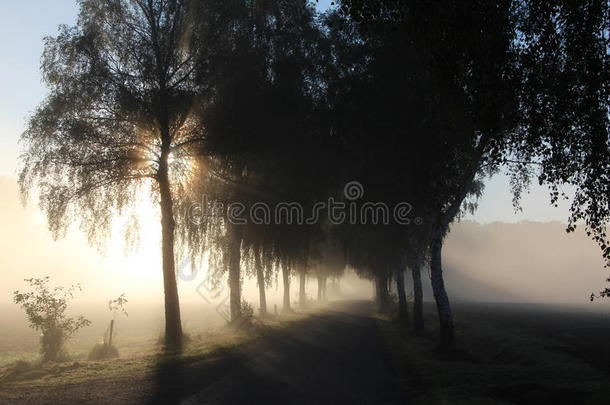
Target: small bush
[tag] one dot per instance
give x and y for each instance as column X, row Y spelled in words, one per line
column 245, row 321
column 52, row 341
column 106, row 349
column 103, row 351
column 45, row 308
column 247, row 311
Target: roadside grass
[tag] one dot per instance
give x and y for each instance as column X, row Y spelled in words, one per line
column 495, row 364
column 137, row 356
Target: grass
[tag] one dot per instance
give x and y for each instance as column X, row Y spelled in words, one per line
column 494, row 364
column 506, row 354
column 138, row 356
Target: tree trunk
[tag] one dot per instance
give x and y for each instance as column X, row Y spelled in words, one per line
column 382, row 298
column 302, row 293
column 403, row 310
column 440, row 294
column 418, row 298
column 173, row 325
column 260, row 277
column 321, row 288
column 324, row 285
column 235, row 234
column 286, row 277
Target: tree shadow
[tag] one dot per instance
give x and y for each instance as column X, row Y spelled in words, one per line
column 177, row 376
column 169, row 380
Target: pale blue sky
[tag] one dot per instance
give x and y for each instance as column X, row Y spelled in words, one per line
column 23, row 24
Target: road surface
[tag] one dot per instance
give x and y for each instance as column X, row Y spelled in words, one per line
column 335, row 357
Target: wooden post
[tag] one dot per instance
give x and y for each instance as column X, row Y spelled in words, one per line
column 110, row 334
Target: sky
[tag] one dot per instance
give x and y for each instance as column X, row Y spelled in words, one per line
column 22, row 28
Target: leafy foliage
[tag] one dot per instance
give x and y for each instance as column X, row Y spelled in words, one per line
column 565, row 106
column 263, row 101
column 121, row 119
column 118, row 305
column 45, row 308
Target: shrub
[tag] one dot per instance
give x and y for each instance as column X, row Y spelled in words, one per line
column 45, row 308
column 247, row 312
column 106, row 349
column 245, row 321
column 103, row 351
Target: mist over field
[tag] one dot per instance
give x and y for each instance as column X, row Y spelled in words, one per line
column 524, row 262
column 494, row 262
column 301, row 202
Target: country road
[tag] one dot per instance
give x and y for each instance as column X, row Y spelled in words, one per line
column 336, row 357
column 337, row 354
column 333, row 356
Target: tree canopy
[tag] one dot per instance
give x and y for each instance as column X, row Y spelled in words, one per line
column 263, row 103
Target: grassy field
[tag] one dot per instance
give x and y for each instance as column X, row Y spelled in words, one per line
column 135, row 334
column 508, row 354
column 134, row 374
column 518, row 354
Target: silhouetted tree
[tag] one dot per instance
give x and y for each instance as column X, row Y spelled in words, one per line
column 261, row 281
column 511, row 82
column 563, row 137
column 415, row 263
column 121, row 118
column 302, row 270
column 403, row 309
column 436, row 121
column 270, row 76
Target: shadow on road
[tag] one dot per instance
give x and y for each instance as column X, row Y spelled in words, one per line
column 335, row 357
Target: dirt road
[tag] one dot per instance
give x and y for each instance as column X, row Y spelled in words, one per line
column 336, row 357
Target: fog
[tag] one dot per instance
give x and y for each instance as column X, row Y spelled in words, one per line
column 497, row 262
column 522, row 262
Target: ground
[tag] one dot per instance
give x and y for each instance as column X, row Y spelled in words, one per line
column 507, row 354
column 347, row 354
column 334, row 355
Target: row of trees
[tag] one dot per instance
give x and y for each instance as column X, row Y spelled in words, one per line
column 259, row 101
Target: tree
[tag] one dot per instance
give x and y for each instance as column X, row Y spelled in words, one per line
column 121, row 118
column 403, row 309
column 414, row 262
column 327, row 259
column 438, row 121
column 512, row 83
column 269, row 75
column 45, row 308
column 261, row 281
column 286, row 270
column 302, row 270
column 564, row 136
